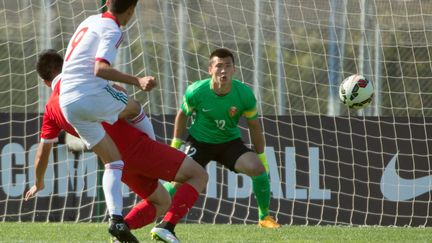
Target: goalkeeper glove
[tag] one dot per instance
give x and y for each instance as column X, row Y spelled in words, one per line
column 263, row 159
column 176, row 143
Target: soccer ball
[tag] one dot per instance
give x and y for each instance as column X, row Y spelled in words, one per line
column 356, row 92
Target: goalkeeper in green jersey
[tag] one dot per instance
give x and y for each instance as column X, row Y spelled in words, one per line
column 216, row 105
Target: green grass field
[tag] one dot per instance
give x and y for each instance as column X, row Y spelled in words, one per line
column 207, row 233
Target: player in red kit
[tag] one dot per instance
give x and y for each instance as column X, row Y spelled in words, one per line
column 146, row 161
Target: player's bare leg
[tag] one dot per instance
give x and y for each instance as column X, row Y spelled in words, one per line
column 132, row 109
column 192, row 173
column 148, row 209
column 111, row 183
column 160, row 199
column 136, row 116
column 107, row 150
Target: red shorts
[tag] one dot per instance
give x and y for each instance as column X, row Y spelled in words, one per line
column 146, row 161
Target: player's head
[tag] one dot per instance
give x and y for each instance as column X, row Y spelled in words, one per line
column 221, row 66
column 48, row 65
column 221, row 53
column 122, row 9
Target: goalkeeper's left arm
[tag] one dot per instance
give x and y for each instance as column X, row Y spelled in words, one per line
column 257, row 139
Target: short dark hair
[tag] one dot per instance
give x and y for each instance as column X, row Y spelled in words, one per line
column 221, row 53
column 49, row 64
column 120, row 6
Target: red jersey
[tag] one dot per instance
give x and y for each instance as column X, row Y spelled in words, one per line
column 53, row 120
column 145, row 160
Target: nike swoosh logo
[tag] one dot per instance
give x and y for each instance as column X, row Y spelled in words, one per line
column 206, row 110
column 395, row 188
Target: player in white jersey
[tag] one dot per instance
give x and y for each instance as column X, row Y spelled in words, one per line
column 87, row 99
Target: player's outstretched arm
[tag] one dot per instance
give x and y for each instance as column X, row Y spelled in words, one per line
column 41, row 163
column 105, row 71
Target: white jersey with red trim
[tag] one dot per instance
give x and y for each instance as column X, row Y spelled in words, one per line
column 97, row 38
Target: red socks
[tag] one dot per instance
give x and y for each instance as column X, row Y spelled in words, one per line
column 183, row 200
column 144, row 212
column 141, row 215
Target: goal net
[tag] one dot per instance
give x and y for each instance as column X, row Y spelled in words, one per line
column 328, row 164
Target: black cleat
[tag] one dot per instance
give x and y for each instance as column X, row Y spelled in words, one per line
column 119, row 229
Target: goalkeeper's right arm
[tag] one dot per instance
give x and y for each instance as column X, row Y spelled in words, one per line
column 179, row 129
column 176, row 143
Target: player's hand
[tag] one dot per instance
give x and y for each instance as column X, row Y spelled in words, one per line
column 176, row 143
column 147, row 83
column 33, row 190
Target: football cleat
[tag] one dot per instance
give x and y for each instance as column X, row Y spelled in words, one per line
column 268, row 222
column 163, row 235
column 120, row 230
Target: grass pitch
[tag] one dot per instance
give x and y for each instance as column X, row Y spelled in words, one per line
column 208, row 233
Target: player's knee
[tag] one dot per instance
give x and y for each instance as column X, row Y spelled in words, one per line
column 132, row 110
column 107, row 150
column 136, row 107
column 257, row 169
column 200, row 176
column 251, row 168
column 196, row 174
column 204, row 175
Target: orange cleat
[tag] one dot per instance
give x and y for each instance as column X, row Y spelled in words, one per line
column 268, row 222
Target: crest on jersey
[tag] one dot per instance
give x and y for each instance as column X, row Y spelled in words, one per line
column 232, row 111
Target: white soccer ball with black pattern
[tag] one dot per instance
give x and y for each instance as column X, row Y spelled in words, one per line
column 356, row 92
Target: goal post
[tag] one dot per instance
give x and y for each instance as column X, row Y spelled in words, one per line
column 328, row 164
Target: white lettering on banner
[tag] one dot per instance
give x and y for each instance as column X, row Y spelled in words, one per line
column 65, row 170
column 275, row 180
column 49, row 173
column 291, row 181
column 314, row 177
column 290, row 176
column 212, row 181
column 88, row 167
column 84, row 177
column 85, row 174
column 8, row 152
column 234, row 191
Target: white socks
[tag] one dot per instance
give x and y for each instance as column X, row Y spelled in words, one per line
column 142, row 123
column 111, row 183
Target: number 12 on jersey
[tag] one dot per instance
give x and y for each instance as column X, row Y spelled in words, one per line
column 220, row 124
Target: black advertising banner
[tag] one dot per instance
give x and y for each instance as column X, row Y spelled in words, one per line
column 323, row 170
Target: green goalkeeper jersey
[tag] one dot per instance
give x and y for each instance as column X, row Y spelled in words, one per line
column 215, row 118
